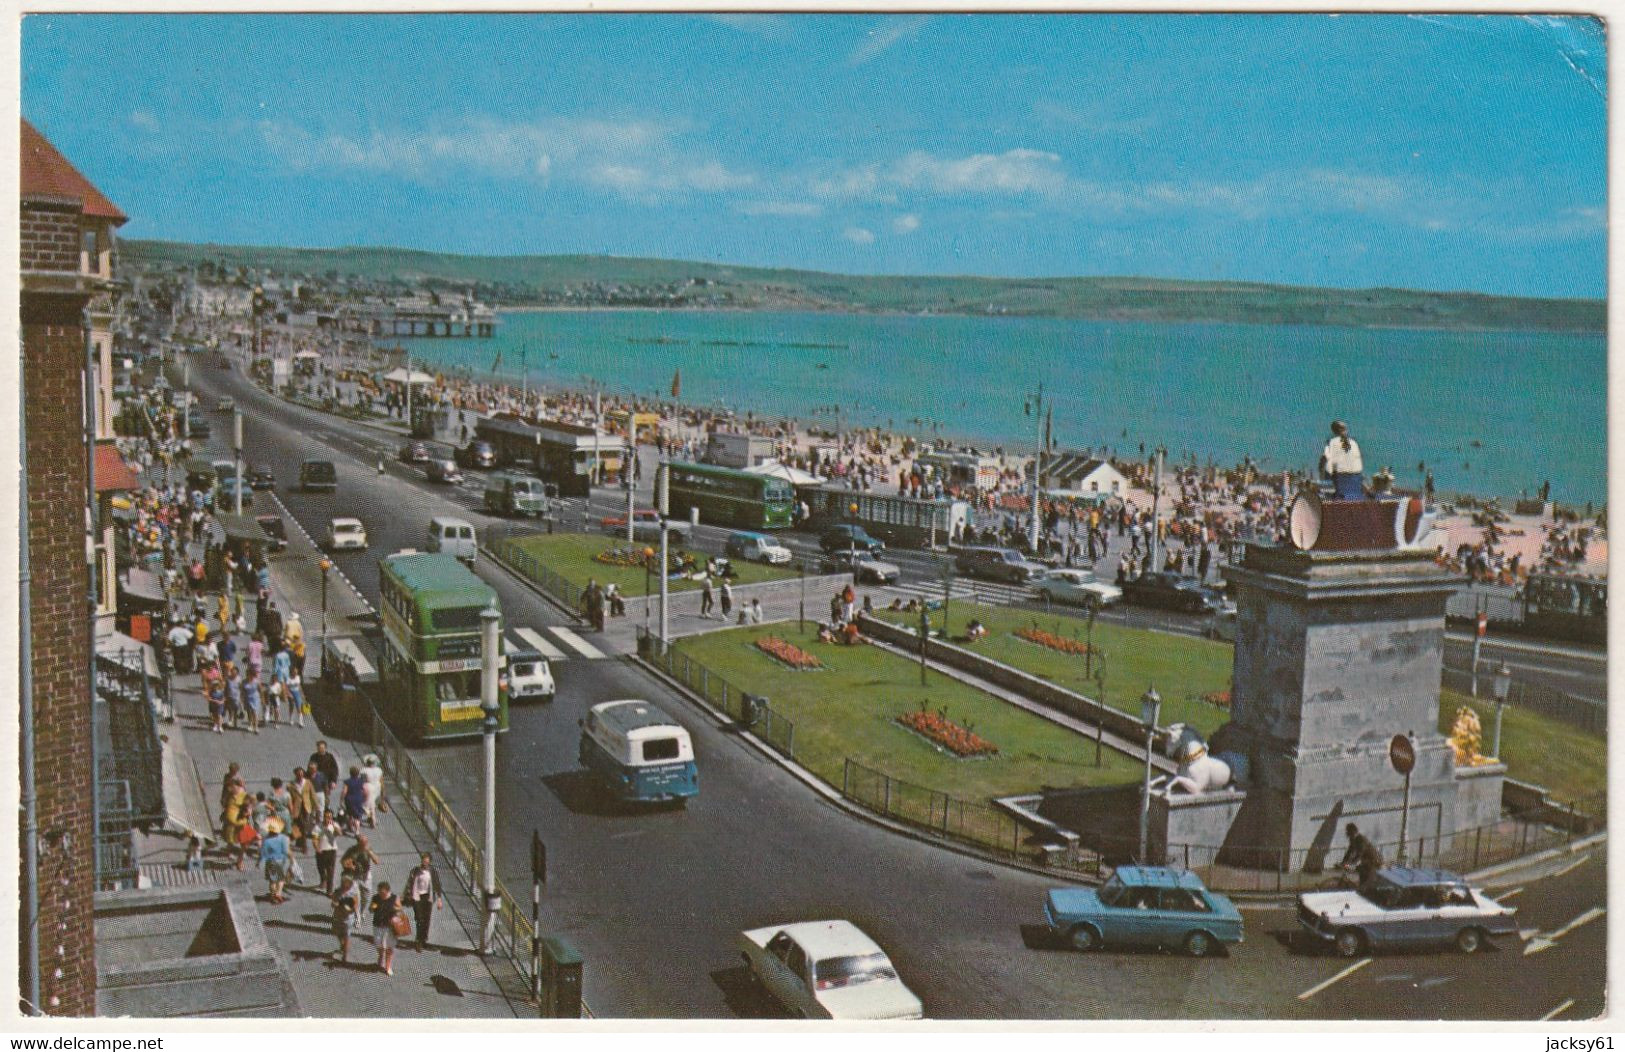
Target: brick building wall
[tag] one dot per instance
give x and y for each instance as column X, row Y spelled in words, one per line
column 53, row 420
column 50, row 235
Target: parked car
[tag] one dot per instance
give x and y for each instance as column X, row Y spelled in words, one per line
column 260, row 478
column 510, row 494
column 225, row 494
column 454, row 537
column 346, row 534
column 1077, row 588
column 274, row 529
column 197, row 425
column 414, row 453
column 838, row 537
column 862, row 565
column 477, row 454
column 1152, row 906
column 318, row 475
column 225, row 405
column 757, row 548
column 443, row 471
column 1172, row 591
column 529, row 676
column 827, row 970
column 998, row 564
column 1405, row 907
column 646, row 526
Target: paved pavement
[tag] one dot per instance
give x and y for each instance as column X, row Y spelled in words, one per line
column 449, row 979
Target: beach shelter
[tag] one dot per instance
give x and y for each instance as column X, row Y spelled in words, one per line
column 308, row 356
column 794, row 476
column 400, row 376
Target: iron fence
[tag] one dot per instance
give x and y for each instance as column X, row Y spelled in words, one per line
column 513, row 932
column 507, row 551
column 1580, row 713
column 765, row 722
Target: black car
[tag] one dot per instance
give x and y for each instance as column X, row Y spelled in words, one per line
column 415, row 453
column 272, row 525
column 477, row 454
column 1172, row 591
column 442, row 471
column 259, row 478
column 197, row 425
column 837, row 538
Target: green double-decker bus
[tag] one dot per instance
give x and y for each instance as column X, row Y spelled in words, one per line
column 728, row 497
column 429, row 667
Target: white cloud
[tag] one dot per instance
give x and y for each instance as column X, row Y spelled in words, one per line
column 858, row 235
column 780, row 208
column 635, row 158
column 1017, row 171
column 905, row 224
column 878, row 41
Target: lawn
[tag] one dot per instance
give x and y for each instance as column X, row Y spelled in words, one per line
column 1570, row 763
column 1182, row 668
column 849, row 708
column 571, row 556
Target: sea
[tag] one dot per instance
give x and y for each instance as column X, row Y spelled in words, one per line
column 1488, row 413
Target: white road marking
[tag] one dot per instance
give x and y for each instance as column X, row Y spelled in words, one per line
column 1339, row 977
column 576, row 643
column 1540, row 943
column 538, row 643
column 1571, row 866
column 1509, row 894
column 1559, row 1010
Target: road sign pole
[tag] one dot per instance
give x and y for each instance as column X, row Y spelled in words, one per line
column 538, row 877
column 1405, row 820
column 1402, row 755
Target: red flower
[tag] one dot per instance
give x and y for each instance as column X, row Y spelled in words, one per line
column 787, row 652
column 948, row 734
column 1053, row 641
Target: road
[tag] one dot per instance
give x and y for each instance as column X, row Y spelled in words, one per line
column 653, row 899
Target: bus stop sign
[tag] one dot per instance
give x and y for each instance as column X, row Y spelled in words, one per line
column 1402, row 754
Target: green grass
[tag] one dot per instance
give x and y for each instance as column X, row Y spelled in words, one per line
column 1570, row 763
column 849, row 709
column 570, row 555
column 1182, row 668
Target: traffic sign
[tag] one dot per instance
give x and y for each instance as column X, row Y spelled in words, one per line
column 1402, row 753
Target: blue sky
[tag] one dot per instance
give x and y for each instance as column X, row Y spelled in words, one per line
column 1464, row 152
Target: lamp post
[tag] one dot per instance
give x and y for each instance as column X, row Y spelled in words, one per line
column 1100, row 718
column 326, row 565
column 801, row 616
column 1089, row 645
column 490, row 628
column 1150, row 709
column 1502, row 686
column 648, row 567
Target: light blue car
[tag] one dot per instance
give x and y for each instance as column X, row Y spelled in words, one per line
column 1146, row 906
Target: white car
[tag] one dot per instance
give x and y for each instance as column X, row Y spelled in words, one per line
column 827, row 970
column 346, row 534
column 863, row 566
column 1077, row 588
column 529, row 676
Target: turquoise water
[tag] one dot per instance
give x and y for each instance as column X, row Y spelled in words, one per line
column 1536, row 402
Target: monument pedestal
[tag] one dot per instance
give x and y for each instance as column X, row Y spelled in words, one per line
column 1337, row 652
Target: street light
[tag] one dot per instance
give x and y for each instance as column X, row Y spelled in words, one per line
column 648, row 567
column 326, row 565
column 1150, row 709
column 1502, row 686
column 1100, row 716
column 490, row 703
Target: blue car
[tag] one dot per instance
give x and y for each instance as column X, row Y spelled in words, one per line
column 1147, row 906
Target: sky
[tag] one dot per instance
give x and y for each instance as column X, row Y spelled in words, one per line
column 1459, row 152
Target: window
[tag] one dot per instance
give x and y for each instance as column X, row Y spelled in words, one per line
column 660, row 749
column 457, row 617
column 1183, row 900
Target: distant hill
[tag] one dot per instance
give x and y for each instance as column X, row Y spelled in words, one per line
column 616, row 281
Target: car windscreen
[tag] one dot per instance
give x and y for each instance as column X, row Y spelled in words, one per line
column 523, row 668
column 1111, row 891
column 660, row 749
column 833, row 972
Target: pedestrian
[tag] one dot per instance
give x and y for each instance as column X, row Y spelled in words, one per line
column 302, row 807
column 270, row 627
column 373, row 772
column 707, row 600
column 296, row 696
column 234, row 824
column 293, row 635
column 180, row 644
column 727, row 598
column 755, row 611
column 346, row 904
column 355, row 800
column 358, row 862
column 251, row 698
column 327, row 849
column 233, row 687
column 1362, row 856
column 1340, row 461
column 385, row 907
column 214, row 689
column 423, row 893
column 274, row 859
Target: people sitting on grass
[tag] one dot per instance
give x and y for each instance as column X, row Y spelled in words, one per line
column 974, row 631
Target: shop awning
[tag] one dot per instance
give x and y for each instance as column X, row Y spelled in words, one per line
column 241, row 528
column 113, row 475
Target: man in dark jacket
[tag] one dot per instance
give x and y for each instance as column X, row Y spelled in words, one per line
column 328, row 765
column 1362, row 855
column 423, row 895
column 271, row 624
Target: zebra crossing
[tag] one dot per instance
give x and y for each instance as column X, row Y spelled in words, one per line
column 564, row 644
column 993, row 593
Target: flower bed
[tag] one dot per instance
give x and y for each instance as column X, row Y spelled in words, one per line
column 942, row 731
column 1053, row 641
column 787, row 652
column 1221, row 698
column 620, row 557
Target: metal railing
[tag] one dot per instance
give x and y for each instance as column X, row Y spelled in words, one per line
column 764, row 721
column 1580, row 713
column 512, row 555
column 513, row 931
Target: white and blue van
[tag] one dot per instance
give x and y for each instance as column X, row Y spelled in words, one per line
column 638, row 752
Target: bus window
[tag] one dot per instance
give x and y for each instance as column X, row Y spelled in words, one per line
column 659, row 749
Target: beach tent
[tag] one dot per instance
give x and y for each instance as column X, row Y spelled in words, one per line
column 794, row 476
column 308, row 356
column 398, row 376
